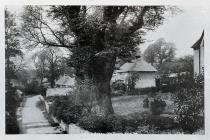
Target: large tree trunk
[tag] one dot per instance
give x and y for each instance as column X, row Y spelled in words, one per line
column 102, row 70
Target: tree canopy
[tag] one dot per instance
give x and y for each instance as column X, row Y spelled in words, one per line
column 12, row 45
column 160, row 52
column 95, row 36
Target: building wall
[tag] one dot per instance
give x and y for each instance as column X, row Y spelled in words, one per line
column 146, row 80
column 196, row 61
column 202, row 56
column 199, row 59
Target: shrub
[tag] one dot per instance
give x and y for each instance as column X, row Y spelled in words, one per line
column 118, row 86
column 189, row 102
column 65, row 109
column 112, row 123
column 42, row 91
column 157, row 106
column 160, row 122
column 170, row 88
column 94, row 123
column 12, row 103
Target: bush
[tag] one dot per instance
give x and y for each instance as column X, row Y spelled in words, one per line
column 160, row 122
column 118, row 86
column 42, row 91
column 170, row 87
column 157, row 106
column 189, row 102
column 94, row 123
column 112, row 123
column 12, row 103
column 65, row 109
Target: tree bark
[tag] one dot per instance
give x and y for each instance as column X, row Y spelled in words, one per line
column 102, row 70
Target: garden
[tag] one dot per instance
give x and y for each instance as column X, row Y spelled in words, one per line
column 149, row 113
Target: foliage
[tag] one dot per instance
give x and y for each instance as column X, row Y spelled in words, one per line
column 84, row 94
column 32, row 88
column 12, row 50
column 126, row 124
column 94, row 123
column 12, row 103
column 63, row 108
column 189, row 103
column 173, row 84
column 183, row 64
column 95, row 35
column 132, row 79
column 157, row 106
column 118, row 85
column 12, row 46
column 48, row 62
column 160, row 52
column 42, row 90
column 109, row 124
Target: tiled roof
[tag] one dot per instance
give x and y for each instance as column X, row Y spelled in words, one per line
column 137, row 65
column 198, row 42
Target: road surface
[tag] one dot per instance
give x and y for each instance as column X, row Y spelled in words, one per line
column 33, row 119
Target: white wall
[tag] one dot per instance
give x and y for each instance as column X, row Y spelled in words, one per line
column 196, row 61
column 197, row 68
column 202, row 55
column 147, row 79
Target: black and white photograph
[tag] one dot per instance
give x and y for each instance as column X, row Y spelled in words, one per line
column 104, row 69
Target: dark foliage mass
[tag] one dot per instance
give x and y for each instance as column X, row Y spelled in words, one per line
column 190, row 105
column 157, row 106
column 65, row 109
column 12, row 50
column 12, row 102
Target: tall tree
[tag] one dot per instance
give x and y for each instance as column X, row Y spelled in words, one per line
column 12, row 45
column 95, row 35
column 160, row 52
column 48, row 63
column 12, row 50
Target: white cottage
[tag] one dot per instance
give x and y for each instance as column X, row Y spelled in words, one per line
column 199, row 55
column 146, row 72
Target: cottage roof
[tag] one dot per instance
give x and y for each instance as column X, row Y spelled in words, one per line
column 197, row 44
column 138, row 65
column 65, row 80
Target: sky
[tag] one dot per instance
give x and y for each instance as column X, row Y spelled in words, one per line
column 183, row 29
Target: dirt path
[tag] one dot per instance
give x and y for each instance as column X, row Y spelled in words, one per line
column 33, row 120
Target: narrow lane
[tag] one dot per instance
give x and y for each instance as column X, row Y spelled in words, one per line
column 33, row 119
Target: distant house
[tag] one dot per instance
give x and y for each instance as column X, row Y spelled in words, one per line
column 147, row 73
column 63, row 86
column 198, row 48
column 65, row 81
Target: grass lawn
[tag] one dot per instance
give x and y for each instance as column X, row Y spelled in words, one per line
column 124, row 105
